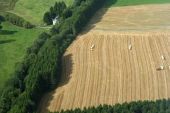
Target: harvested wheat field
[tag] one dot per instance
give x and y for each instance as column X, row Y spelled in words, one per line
column 116, row 60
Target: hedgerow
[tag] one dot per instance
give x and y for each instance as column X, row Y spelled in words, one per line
column 159, row 106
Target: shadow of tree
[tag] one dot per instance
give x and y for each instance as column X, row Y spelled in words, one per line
column 67, row 71
column 98, row 16
column 7, row 32
column 6, row 41
column 67, row 63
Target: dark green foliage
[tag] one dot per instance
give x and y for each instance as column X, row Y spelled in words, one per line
column 78, row 2
column 47, row 18
column 59, row 7
column 1, row 19
column 14, row 87
column 38, row 43
column 7, row 98
column 41, row 69
column 18, row 21
column 159, row 106
column 56, row 11
column 0, row 25
column 67, row 13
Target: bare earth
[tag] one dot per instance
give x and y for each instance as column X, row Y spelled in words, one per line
column 111, row 73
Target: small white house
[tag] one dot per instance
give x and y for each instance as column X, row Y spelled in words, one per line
column 55, row 20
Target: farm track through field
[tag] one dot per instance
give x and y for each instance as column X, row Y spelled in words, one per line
column 111, row 73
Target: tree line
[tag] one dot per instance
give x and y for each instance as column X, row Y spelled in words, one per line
column 18, row 21
column 159, row 106
column 40, row 70
column 1, row 20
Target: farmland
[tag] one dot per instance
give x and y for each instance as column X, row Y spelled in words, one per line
column 111, row 73
column 133, row 18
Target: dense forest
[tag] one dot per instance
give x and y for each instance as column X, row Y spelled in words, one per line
column 159, row 106
column 40, row 69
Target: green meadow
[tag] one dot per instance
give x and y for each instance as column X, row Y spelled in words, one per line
column 13, row 44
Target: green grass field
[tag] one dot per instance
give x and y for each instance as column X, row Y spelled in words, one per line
column 33, row 10
column 135, row 2
column 13, row 43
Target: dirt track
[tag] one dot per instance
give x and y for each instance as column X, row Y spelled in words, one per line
column 111, row 73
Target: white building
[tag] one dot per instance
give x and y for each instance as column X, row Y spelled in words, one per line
column 55, row 20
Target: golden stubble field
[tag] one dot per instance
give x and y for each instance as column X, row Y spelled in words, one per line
column 112, row 73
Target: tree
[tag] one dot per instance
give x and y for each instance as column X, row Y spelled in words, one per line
column 67, row 13
column 47, row 18
column 61, row 7
column 56, row 11
column 1, row 20
column 78, row 2
column 0, row 25
column 52, row 13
